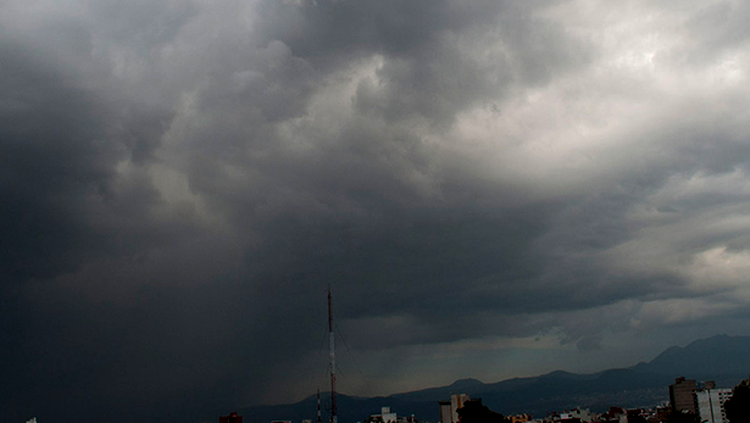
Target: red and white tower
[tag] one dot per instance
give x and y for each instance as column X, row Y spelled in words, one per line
column 332, row 359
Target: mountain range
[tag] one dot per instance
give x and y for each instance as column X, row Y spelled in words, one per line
column 721, row 358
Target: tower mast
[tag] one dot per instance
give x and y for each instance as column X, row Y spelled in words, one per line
column 319, row 420
column 332, row 358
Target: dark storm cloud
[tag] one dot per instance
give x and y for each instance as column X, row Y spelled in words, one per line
column 50, row 165
column 182, row 181
column 66, row 205
column 430, row 68
column 373, row 226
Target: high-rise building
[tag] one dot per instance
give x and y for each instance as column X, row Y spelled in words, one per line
column 449, row 409
column 682, row 395
column 711, row 404
column 445, row 411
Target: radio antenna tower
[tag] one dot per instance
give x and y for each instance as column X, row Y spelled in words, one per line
column 332, row 358
column 319, row 420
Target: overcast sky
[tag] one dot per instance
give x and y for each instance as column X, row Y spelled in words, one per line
column 492, row 189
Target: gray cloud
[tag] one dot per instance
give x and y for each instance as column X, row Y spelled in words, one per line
column 181, row 183
column 50, row 165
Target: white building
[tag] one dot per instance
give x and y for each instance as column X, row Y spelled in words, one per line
column 449, row 409
column 385, row 415
column 711, row 404
column 388, row 417
column 583, row 415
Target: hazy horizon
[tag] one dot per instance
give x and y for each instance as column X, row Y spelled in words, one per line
column 323, row 382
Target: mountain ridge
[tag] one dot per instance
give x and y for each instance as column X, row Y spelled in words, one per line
column 721, row 358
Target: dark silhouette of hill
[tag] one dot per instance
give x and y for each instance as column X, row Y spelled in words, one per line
column 722, row 358
column 716, row 356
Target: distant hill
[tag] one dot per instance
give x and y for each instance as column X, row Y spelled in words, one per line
column 715, row 357
column 722, row 358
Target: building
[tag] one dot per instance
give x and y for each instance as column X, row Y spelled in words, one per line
column 660, row 415
column 519, row 418
column 682, row 395
column 449, row 409
column 564, row 417
column 584, row 415
column 385, row 416
column 710, row 404
column 231, row 418
column 614, row 415
column 635, row 415
column 576, row 415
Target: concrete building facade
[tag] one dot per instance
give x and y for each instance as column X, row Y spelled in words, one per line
column 710, row 404
column 449, row 409
column 385, row 416
column 682, row 395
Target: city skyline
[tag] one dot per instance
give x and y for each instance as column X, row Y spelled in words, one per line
column 718, row 362
column 492, row 189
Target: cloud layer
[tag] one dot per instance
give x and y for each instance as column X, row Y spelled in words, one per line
column 181, row 181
